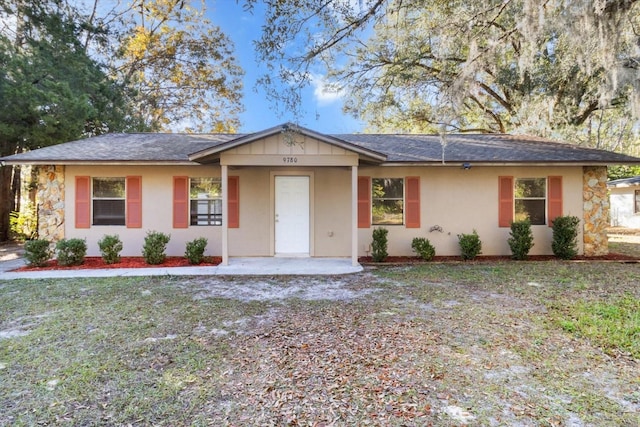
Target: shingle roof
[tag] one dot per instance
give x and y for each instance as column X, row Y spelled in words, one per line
column 482, row 148
column 123, row 147
column 428, row 149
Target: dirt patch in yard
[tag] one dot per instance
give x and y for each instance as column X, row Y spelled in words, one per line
column 307, row 289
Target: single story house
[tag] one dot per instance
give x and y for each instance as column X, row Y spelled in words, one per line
column 624, row 196
column 291, row 191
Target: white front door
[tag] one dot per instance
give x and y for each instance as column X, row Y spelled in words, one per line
column 292, row 215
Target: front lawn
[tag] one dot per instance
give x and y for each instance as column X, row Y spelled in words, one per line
column 524, row 343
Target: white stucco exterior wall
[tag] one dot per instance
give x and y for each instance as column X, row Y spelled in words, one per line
column 623, row 206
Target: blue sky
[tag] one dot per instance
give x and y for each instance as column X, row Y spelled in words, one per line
column 323, row 111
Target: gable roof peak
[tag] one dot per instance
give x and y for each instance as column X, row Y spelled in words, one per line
column 290, row 129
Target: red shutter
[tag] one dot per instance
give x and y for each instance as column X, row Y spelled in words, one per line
column 412, row 207
column 555, row 199
column 364, row 202
column 134, row 202
column 233, row 202
column 505, row 202
column 83, row 202
column 180, row 202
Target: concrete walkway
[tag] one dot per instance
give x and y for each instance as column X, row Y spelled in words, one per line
column 237, row 267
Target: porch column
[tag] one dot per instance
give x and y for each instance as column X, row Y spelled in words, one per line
column 354, row 216
column 225, row 214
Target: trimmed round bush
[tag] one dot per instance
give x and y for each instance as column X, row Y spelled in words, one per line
column 37, row 252
column 155, row 244
column 379, row 245
column 195, row 250
column 521, row 239
column 71, row 251
column 110, row 248
column 565, row 237
column 470, row 245
column 423, row 248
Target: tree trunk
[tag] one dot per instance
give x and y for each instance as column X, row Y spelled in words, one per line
column 16, row 188
column 6, row 200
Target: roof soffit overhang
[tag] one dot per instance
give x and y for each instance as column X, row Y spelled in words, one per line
column 212, row 154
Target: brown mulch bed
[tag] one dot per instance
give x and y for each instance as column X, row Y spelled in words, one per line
column 94, row 263
column 418, row 260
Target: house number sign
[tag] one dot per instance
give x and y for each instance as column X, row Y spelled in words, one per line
column 289, row 160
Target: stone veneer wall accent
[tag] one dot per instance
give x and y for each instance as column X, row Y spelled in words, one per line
column 50, row 199
column 596, row 210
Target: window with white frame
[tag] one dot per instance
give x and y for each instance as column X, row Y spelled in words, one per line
column 636, row 200
column 387, row 201
column 205, row 201
column 108, row 201
column 530, row 197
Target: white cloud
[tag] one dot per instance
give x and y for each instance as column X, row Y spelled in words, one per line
column 324, row 92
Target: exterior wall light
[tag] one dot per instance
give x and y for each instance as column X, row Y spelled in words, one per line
column 466, row 166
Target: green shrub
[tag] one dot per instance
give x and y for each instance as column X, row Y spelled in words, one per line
column 423, row 248
column 521, row 239
column 24, row 225
column 195, row 250
column 470, row 245
column 379, row 245
column 155, row 244
column 37, row 252
column 71, row 251
column 110, row 247
column 565, row 236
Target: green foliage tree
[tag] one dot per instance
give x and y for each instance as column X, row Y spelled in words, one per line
column 143, row 65
column 619, row 172
column 553, row 69
column 24, row 225
column 181, row 67
column 52, row 91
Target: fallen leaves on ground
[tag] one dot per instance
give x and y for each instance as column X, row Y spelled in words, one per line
column 339, row 366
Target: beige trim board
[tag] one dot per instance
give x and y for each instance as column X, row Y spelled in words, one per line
column 290, row 160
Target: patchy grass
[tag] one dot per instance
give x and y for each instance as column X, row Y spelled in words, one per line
column 446, row 344
column 624, row 241
column 612, row 324
column 625, row 247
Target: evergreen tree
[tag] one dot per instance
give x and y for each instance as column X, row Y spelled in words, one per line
column 51, row 90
